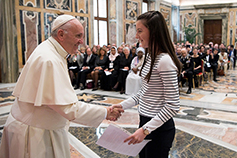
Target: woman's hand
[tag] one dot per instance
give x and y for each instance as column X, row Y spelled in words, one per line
column 126, row 68
column 136, row 137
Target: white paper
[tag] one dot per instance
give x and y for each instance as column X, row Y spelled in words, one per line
column 113, row 139
column 107, row 73
column 72, row 67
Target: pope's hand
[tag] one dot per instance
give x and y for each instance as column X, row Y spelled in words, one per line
column 136, row 137
column 113, row 113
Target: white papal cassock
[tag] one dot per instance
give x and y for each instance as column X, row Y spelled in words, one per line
column 45, row 101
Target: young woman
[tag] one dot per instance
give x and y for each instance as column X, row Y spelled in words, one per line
column 158, row 98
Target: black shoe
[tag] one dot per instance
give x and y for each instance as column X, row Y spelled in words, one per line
column 215, row 80
column 82, row 88
column 189, row 91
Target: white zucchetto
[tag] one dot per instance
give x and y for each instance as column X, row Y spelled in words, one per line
column 60, row 20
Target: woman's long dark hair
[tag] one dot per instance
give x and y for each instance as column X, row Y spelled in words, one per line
column 159, row 40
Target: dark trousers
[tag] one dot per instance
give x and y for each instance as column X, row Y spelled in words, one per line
column 189, row 75
column 122, row 78
column 81, row 77
column 214, row 69
column 161, row 140
column 234, row 63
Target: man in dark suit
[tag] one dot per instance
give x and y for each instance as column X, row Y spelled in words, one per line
column 187, row 69
column 87, row 67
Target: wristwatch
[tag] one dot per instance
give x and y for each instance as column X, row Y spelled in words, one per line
column 145, row 131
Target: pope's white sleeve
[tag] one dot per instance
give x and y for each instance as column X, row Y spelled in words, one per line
column 82, row 113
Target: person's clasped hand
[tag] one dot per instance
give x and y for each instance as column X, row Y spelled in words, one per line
column 114, row 112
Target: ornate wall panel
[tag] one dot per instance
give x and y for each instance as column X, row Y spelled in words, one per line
column 48, row 20
column 166, row 14
column 81, row 6
column 112, row 9
column 232, row 27
column 65, row 5
column 187, row 19
column 30, row 32
column 131, row 12
column 131, row 33
column 34, row 20
column 113, row 32
column 85, row 24
column 30, row 3
column 190, row 19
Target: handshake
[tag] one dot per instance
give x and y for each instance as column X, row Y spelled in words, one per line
column 114, row 112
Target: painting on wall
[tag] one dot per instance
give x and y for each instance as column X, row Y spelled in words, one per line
column 65, row 5
column 30, row 32
column 131, row 10
column 30, row 3
column 130, row 33
column 85, row 24
column 166, row 15
column 190, row 20
column 48, row 20
column 81, row 6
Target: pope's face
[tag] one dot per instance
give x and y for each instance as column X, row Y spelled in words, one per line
column 142, row 34
column 73, row 37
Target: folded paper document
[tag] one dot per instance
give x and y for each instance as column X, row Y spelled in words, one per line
column 113, row 139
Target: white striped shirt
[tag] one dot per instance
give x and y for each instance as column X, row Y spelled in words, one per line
column 158, row 99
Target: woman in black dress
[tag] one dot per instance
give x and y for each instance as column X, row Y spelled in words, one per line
column 197, row 61
column 124, row 67
column 101, row 63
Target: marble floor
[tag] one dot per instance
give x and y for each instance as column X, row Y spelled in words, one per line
column 206, row 125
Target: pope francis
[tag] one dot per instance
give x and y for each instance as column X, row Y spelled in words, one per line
column 45, row 99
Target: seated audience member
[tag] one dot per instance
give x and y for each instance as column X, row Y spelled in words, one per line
column 82, row 50
column 98, row 47
column 201, row 52
column 223, row 60
column 74, row 65
column 120, row 51
column 94, row 50
column 101, row 63
column 208, row 60
column 214, row 57
column 189, row 50
column 124, row 67
column 87, row 67
column 187, row 69
column 109, row 78
column 133, row 80
column 133, row 52
column 178, row 52
column 197, row 61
